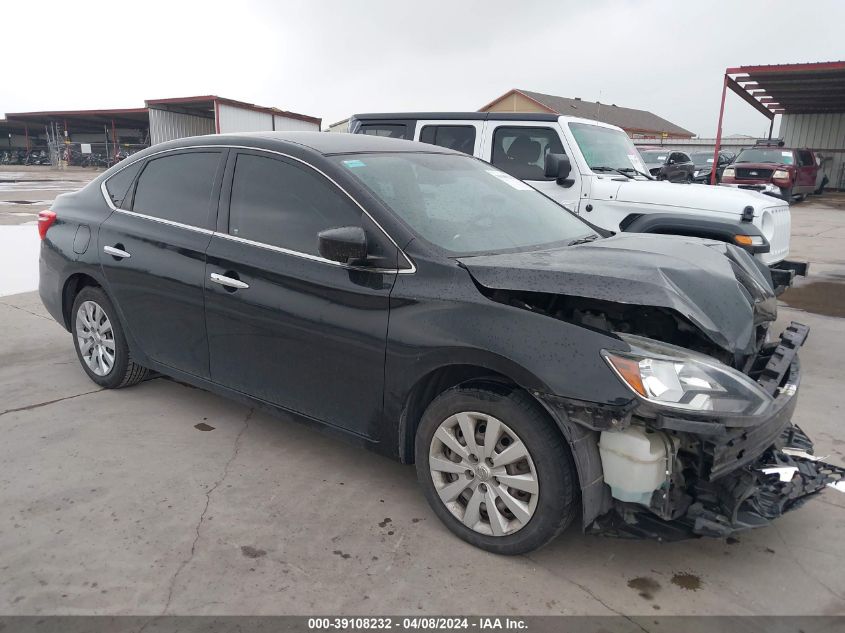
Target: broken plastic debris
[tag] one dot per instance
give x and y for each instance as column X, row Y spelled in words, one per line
column 797, row 452
column 785, row 473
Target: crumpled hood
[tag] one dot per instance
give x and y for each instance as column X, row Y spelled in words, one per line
column 669, row 194
column 715, row 285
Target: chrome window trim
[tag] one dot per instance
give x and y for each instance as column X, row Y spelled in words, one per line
column 279, row 249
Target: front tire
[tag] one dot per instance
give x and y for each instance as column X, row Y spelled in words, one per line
column 495, row 469
column 100, row 342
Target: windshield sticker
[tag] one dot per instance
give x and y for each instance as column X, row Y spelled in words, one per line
column 636, row 162
column 508, row 179
column 786, row 154
column 354, row 163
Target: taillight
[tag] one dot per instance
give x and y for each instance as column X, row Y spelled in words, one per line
column 45, row 220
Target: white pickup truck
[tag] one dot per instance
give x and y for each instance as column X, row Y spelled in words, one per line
column 594, row 170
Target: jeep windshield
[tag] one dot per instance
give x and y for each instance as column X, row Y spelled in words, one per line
column 606, row 149
column 464, row 205
column 764, row 155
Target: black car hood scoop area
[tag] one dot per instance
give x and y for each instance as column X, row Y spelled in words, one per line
column 716, row 286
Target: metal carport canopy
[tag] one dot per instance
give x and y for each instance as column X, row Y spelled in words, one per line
column 813, row 88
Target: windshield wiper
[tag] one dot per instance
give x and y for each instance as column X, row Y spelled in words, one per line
column 613, row 169
column 584, row 240
column 637, row 171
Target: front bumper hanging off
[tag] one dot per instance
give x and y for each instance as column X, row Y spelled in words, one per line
column 752, row 475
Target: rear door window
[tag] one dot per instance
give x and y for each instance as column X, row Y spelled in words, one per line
column 277, row 203
column 458, row 137
column 178, row 188
column 521, row 151
column 397, row 130
column 119, row 184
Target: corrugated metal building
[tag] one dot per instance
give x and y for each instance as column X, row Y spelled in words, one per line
column 191, row 116
column 160, row 120
column 825, row 134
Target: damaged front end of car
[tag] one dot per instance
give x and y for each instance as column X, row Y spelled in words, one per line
column 712, row 469
column 706, row 446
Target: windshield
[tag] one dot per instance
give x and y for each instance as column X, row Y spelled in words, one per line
column 606, row 147
column 462, row 204
column 654, row 155
column 765, row 155
column 702, row 159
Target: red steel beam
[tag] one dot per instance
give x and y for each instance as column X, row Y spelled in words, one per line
column 719, row 132
column 786, row 68
column 735, row 87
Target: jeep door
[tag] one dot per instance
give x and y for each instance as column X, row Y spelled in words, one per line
column 519, row 148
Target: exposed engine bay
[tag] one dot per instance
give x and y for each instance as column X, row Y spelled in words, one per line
column 660, row 324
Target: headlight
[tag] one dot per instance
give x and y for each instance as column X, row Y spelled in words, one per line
column 781, row 174
column 677, row 378
column 697, row 173
column 728, row 173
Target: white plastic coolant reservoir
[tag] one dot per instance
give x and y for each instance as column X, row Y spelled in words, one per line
column 635, row 462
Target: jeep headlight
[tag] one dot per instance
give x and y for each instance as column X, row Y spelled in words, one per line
column 676, row 378
column 728, row 173
column 780, row 174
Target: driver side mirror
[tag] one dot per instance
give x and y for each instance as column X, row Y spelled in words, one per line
column 558, row 167
column 347, row 244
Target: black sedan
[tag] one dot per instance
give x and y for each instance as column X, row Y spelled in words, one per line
column 668, row 164
column 426, row 305
column 703, row 162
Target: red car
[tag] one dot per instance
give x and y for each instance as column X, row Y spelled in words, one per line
column 774, row 169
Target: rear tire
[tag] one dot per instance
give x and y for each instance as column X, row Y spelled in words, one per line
column 534, row 497
column 100, row 342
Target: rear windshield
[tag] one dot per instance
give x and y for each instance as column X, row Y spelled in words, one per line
column 464, row 205
column 702, row 158
column 654, row 156
column 765, row 155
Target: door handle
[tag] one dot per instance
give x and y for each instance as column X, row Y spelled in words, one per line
column 229, row 282
column 116, row 252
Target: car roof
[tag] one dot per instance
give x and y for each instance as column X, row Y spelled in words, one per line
column 465, row 116
column 324, row 143
column 344, row 143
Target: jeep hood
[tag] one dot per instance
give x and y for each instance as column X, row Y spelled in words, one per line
column 715, row 285
column 696, row 197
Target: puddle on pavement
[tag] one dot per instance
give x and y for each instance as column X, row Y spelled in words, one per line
column 687, row 581
column 646, row 587
column 820, row 297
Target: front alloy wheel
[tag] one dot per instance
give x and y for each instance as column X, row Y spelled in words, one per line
column 495, row 468
column 483, row 473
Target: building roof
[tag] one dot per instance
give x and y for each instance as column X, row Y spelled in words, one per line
column 628, row 119
column 208, row 101
column 83, row 120
column 813, row 88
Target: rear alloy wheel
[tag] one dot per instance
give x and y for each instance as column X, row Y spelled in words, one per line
column 495, row 469
column 100, row 343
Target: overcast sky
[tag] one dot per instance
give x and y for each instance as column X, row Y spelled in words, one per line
column 330, row 59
